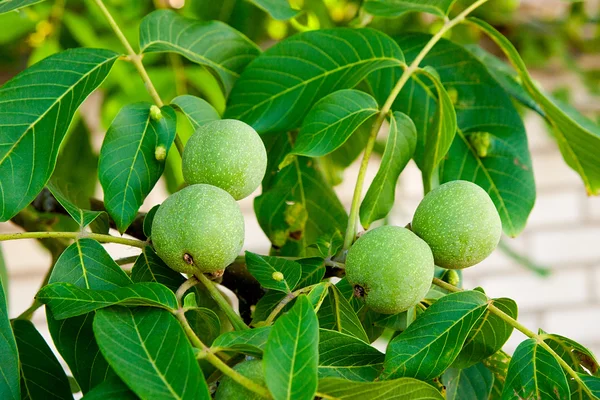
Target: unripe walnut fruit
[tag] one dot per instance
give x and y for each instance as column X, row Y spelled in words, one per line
column 231, row 390
column 199, row 229
column 459, row 221
column 391, row 268
column 228, row 154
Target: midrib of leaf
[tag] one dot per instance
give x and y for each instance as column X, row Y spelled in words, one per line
column 50, row 108
column 301, row 188
column 137, row 152
column 153, row 362
column 317, row 77
column 489, row 178
column 290, row 380
column 83, row 268
column 535, row 381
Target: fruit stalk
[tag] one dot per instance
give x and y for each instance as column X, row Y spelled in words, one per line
column 526, row 331
column 235, row 319
column 354, row 208
column 73, row 235
column 136, row 60
column 216, row 361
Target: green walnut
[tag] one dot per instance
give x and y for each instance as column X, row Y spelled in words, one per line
column 459, row 221
column 231, row 390
column 199, row 229
column 391, row 268
column 228, row 154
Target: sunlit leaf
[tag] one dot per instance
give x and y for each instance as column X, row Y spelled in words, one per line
column 128, row 166
column 474, row 383
column 198, row 111
column 273, row 272
column 337, row 314
column 395, row 8
column 251, row 342
column 11, row 5
column 37, row 107
column 397, row 389
column 278, row 9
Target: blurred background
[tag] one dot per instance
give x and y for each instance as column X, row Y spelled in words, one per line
column 552, row 270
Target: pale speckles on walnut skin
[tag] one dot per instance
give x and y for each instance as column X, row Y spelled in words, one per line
column 460, row 223
column 228, row 154
column 202, row 223
column 393, row 266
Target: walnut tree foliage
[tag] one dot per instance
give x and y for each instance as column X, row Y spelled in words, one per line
column 318, row 95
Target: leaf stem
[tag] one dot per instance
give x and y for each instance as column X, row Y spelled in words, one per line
column 73, row 235
column 136, row 60
column 217, row 296
column 526, row 331
column 285, row 301
column 216, row 361
column 185, row 286
column 354, row 208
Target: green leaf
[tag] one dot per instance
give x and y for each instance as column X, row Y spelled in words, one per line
column 42, row 376
column 3, row 281
column 273, row 272
column 149, row 351
column 313, row 270
column 165, row 31
column 111, row 389
column 578, row 137
column 399, row 322
column 398, row 389
column 9, row 367
column 198, row 111
column 128, row 167
column 278, row 9
column 592, row 383
column 11, row 5
column 251, row 342
column 577, row 356
column 87, row 265
column 205, row 323
column 344, row 356
column 150, row 268
column 474, row 383
column 399, row 149
column 50, row 91
column 296, row 191
column 291, row 354
column 337, row 314
column 266, row 305
column 431, row 343
column 67, row 300
column 483, row 110
column 440, row 134
column 488, row 335
column 148, row 219
column 395, row 8
column 498, row 364
column 332, row 120
column 276, row 91
column 534, row 373
column 82, row 216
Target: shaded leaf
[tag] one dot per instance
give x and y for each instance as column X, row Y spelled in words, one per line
column 399, row 149
column 337, row 314
column 87, row 265
column 332, row 120
column 395, row 8
column 9, row 367
column 313, row 270
column 143, row 346
column 150, row 268
column 398, row 389
column 592, row 383
column 251, row 342
column 576, row 355
column 50, row 91
column 11, row 5
column 498, row 365
column 278, row 9
column 431, row 343
column 128, row 167
column 82, row 216
column 276, row 91
column 488, row 335
column 111, row 389
column 266, row 305
column 165, row 30
column 273, row 272
column 578, row 137
column 204, row 322
column 198, row 111
column 42, row 376
column 534, row 373
column 474, row 383
column 291, row 354
column 148, row 219
column 67, row 300
column 344, row 356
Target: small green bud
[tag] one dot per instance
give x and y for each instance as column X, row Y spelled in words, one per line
column 160, row 153
column 481, row 142
column 277, row 276
column 155, row 113
column 452, row 277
